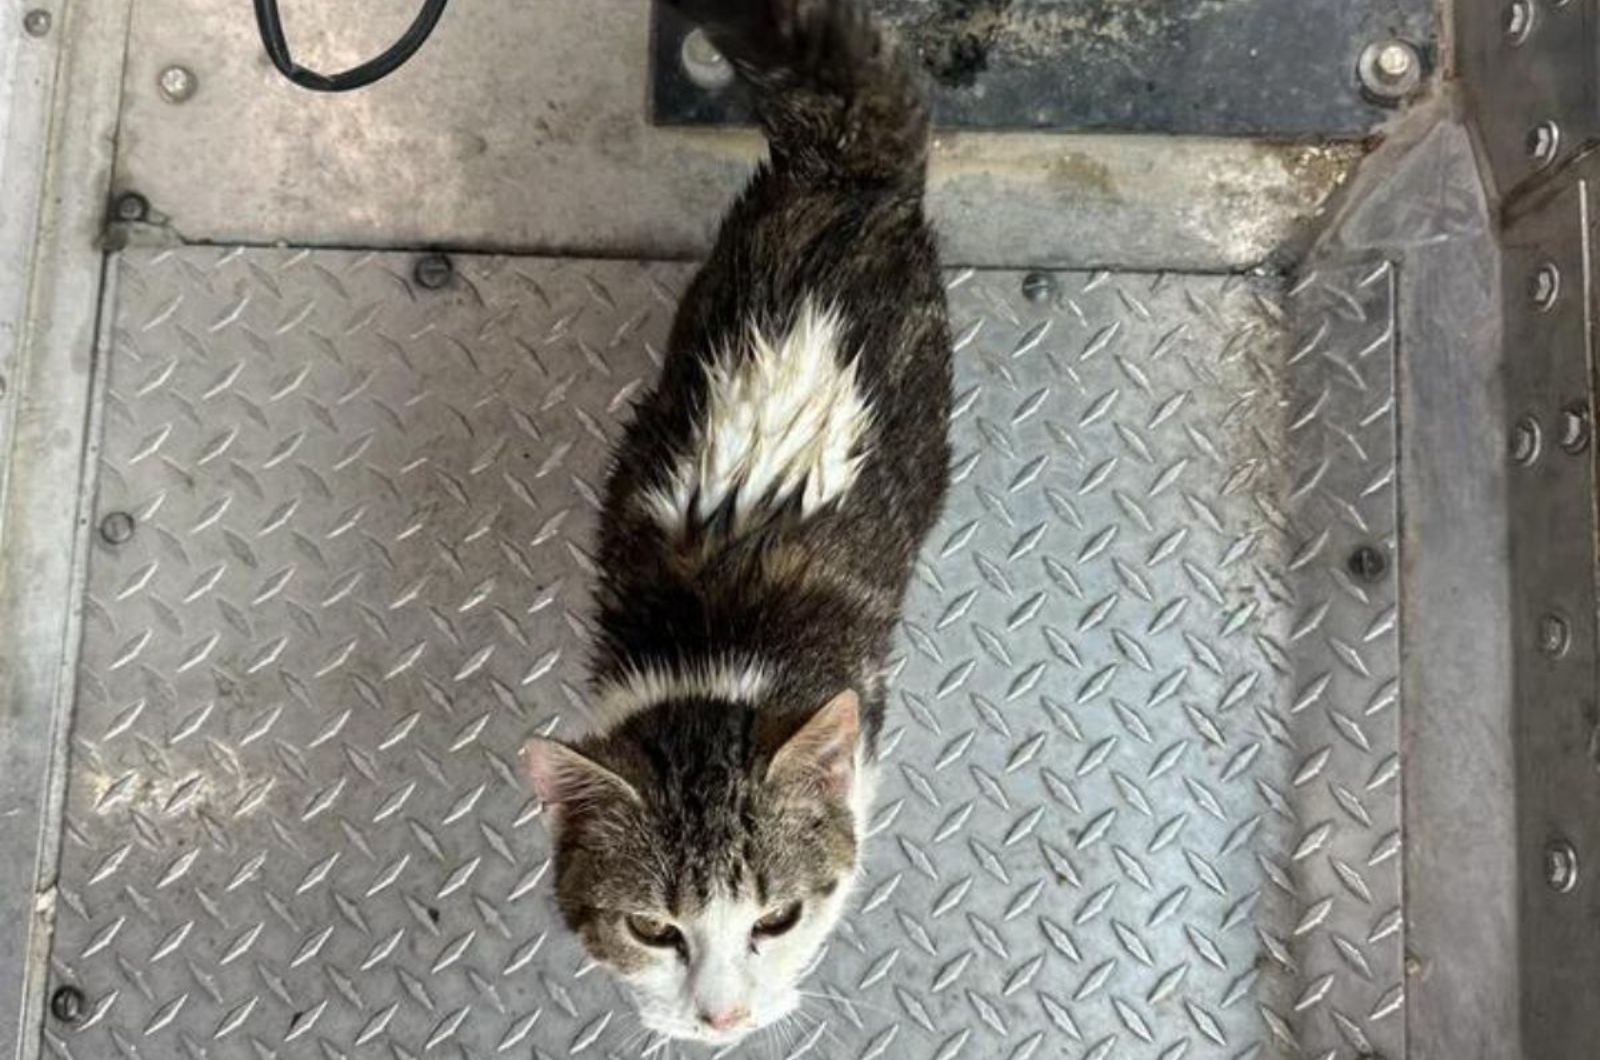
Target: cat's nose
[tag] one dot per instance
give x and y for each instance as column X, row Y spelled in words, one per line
column 727, row 1019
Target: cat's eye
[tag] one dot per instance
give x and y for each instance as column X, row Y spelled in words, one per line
column 653, row 931
column 777, row 921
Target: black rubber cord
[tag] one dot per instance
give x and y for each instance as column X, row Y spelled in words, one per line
column 415, row 36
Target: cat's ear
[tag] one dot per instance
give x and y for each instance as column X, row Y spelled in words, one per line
column 564, row 778
column 823, row 751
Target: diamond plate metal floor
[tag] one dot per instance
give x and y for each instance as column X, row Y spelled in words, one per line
column 1142, row 798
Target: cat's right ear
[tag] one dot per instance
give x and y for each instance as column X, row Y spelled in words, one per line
column 564, row 778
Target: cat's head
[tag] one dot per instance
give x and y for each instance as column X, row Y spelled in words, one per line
column 704, row 852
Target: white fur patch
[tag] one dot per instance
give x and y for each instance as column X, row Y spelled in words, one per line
column 730, row 678
column 787, row 419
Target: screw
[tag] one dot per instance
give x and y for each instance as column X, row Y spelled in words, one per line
column 177, row 84
column 1518, row 21
column 1575, row 427
column 117, row 528
column 131, row 206
column 433, row 272
column 1526, row 441
column 1545, row 286
column 1367, row 564
column 706, row 66
column 1040, row 288
column 36, row 23
column 1555, row 636
column 1544, row 142
column 66, row 1004
column 1561, row 866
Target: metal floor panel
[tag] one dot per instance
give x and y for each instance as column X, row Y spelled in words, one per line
column 1142, row 795
column 525, row 128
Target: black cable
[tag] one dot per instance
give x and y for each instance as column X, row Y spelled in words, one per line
column 415, row 36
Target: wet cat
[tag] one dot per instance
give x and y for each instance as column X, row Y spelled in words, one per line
column 760, row 526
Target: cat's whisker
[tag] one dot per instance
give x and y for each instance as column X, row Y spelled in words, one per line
column 773, row 1036
column 841, row 1001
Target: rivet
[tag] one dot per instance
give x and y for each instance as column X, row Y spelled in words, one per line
column 433, row 272
column 1040, row 288
column 117, row 528
column 177, row 84
column 36, row 23
column 1561, row 866
column 1367, row 564
column 1544, row 143
column 131, row 206
column 1544, row 286
column 1555, row 636
column 1527, row 441
column 1575, row 428
column 703, row 63
column 66, row 1004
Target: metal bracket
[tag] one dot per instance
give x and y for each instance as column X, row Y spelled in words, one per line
column 1529, row 68
column 1548, row 337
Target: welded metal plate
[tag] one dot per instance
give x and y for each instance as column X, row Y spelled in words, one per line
column 1210, row 67
column 1141, row 795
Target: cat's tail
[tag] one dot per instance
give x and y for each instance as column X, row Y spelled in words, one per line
column 835, row 99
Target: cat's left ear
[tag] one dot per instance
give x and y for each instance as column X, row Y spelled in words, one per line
column 823, row 751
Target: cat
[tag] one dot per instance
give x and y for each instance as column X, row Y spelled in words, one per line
column 759, row 529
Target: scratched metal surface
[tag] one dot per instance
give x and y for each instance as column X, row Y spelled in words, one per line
column 1141, row 794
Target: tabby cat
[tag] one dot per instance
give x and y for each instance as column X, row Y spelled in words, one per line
column 760, row 525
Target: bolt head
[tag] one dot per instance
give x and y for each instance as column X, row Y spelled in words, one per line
column 177, row 83
column 117, row 528
column 131, row 206
column 1561, row 866
column 1395, row 60
column 1518, row 21
column 67, row 1004
column 1367, row 564
column 1544, row 287
column 36, row 23
column 707, row 67
column 1389, row 71
column 1040, row 288
column 1575, row 428
column 1543, row 143
column 433, row 272
column 1555, row 636
column 1527, row 441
